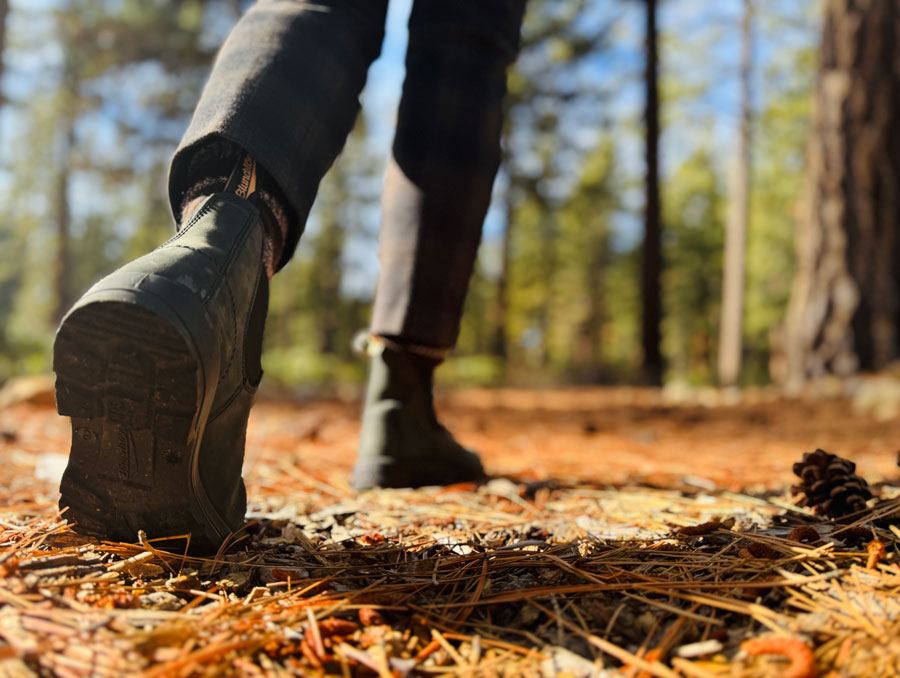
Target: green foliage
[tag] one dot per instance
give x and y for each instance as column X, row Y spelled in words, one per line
column 471, row 370
column 303, row 364
column 531, row 270
column 777, row 189
column 620, row 338
column 578, row 317
column 559, row 259
column 693, row 211
column 476, row 329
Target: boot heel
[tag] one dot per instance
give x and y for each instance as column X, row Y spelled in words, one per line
column 132, row 387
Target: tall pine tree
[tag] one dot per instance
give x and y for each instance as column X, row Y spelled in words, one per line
column 844, row 312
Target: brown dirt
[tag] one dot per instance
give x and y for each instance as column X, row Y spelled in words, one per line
column 601, row 436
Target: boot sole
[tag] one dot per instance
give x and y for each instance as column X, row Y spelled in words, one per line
column 138, row 394
column 386, row 472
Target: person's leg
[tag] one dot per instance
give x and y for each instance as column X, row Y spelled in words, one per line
column 437, row 189
column 158, row 362
column 284, row 89
column 445, row 155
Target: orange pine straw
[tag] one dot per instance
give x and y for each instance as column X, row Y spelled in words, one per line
column 312, row 635
column 803, row 662
column 844, row 652
column 653, row 655
column 427, row 651
column 876, row 552
column 310, row 655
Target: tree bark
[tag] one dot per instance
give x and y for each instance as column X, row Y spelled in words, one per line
column 62, row 277
column 4, row 14
column 499, row 347
column 652, row 247
column 731, row 324
column 588, row 353
column 327, row 267
column 843, row 313
column 62, row 212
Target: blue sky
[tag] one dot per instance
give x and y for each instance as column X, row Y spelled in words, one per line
column 385, row 78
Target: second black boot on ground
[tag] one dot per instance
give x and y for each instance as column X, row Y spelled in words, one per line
column 402, row 443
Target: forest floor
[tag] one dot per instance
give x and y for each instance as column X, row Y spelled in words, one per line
column 578, row 559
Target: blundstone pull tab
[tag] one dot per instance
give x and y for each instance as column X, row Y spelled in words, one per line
column 242, row 181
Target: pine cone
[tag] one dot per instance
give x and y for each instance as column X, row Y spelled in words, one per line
column 830, row 485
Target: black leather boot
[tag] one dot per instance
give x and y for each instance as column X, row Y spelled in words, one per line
column 157, row 365
column 402, row 443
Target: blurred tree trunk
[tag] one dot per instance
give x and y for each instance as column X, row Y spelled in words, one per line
column 499, row 346
column 589, row 355
column 652, row 247
column 326, row 270
column 731, row 326
column 61, row 210
column 329, row 249
column 844, row 308
column 4, row 14
column 62, row 216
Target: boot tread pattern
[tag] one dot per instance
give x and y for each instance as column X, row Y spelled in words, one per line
column 131, row 386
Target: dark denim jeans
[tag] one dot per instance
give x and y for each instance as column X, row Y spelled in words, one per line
column 285, row 87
